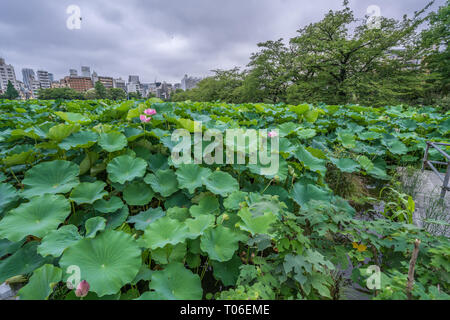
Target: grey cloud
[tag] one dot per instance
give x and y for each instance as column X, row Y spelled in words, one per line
column 156, row 38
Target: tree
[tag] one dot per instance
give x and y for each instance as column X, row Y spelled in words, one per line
column 10, row 93
column 91, row 94
column 134, row 95
column 335, row 64
column 434, row 41
column 270, row 72
column 117, row 94
column 100, row 90
column 60, row 93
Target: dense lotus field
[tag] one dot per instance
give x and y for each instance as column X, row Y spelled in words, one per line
column 93, row 207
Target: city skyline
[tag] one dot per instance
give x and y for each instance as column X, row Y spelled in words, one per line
column 84, row 81
column 159, row 40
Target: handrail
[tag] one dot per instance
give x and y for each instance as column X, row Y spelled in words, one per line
column 445, row 179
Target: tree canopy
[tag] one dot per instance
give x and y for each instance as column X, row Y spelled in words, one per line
column 343, row 59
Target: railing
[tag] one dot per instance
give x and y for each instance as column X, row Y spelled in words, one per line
column 445, row 179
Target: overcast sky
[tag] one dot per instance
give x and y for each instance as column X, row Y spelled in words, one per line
column 159, row 39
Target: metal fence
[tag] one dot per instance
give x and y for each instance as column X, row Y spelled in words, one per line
column 444, row 178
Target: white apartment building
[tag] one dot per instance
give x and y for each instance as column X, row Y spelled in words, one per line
column 44, row 79
column 188, row 83
column 7, row 74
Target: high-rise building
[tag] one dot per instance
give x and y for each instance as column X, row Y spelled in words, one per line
column 73, row 73
column 7, row 73
column 188, row 83
column 51, row 77
column 28, row 76
column 108, row 82
column 85, row 71
column 35, row 85
column 119, row 83
column 44, row 79
column 133, row 79
column 133, row 87
column 80, row 84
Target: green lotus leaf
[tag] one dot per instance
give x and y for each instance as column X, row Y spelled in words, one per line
column 177, row 213
column 221, row 183
column 116, row 219
column 158, row 162
column 112, row 141
column 41, row 283
column 396, row 147
column 346, row 165
column 303, row 192
column 190, row 176
column 170, row 254
column 234, row 200
column 82, row 139
column 306, row 133
column 163, row 181
column 9, row 247
column 145, row 273
column 311, row 115
column 176, row 282
column 87, row 192
column 138, row 194
column 348, row 140
column 72, row 117
column 208, row 205
column 107, row 262
column 143, row 219
column 369, row 135
column 52, row 177
column 19, row 133
column 8, row 195
column 256, row 225
column 228, row 271
column 310, row 162
column 62, row 131
column 288, row 128
column 199, row 225
column 220, row 243
column 126, row 168
column 133, row 133
column 56, row 241
column 94, row 225
column 108, row 206
column 300, row 109
column 365, row 163
column 37, row 217
column 23, row 262
column 191, row 126
column 19, row 158
column 165, row 231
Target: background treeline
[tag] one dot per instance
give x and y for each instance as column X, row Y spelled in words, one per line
column 342, row 59
column 99, row 92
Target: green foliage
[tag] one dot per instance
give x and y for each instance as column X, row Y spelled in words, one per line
column 82, row 184
column 343, row 59
column 10, row 93
column 60, row 93
column 100, row 90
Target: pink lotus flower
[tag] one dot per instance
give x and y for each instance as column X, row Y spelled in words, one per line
column 145, row 119
column 82, row 289
column 150, row 112
column 272, row 134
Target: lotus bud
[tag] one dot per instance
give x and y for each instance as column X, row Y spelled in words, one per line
column 82, row 289
column 272, row 134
